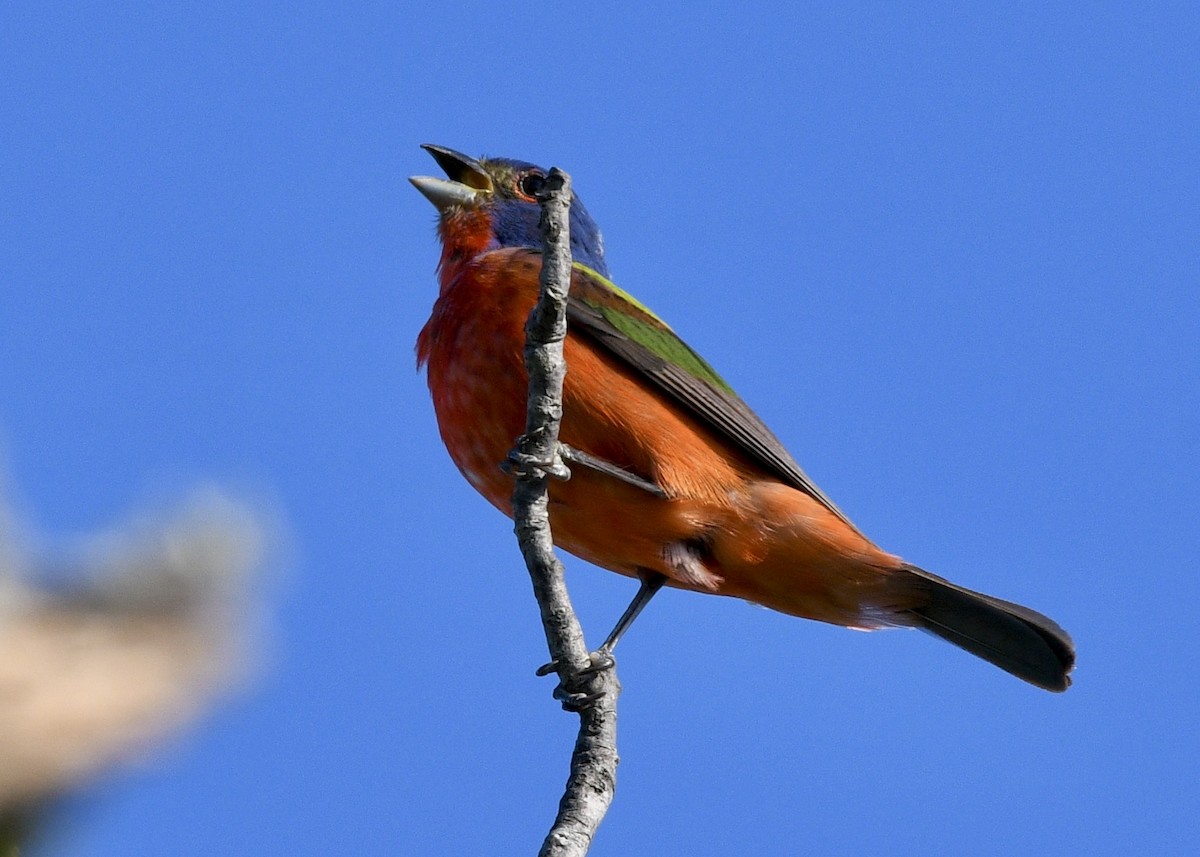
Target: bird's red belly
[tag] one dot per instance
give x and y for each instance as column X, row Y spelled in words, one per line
column 481, row 412
column 763, row 541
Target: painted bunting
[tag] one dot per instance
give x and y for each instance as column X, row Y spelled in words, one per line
column 680, row 481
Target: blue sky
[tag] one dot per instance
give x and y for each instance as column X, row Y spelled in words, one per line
column 949, row 254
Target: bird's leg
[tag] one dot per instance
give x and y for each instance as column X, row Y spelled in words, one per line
column 602, row 659
column 652, row 581
column 522, row 463
column 586, row 459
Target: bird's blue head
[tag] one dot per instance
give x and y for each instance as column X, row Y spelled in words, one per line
column 490, row 203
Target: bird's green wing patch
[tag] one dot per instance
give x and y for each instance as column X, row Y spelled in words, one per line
column 616, row 320
column 636, row 321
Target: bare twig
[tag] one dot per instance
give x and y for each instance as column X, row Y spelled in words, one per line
column 592, row 780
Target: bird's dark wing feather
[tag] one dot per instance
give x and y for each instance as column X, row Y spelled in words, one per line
column 600, row 310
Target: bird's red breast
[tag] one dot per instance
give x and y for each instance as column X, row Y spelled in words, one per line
column 722, row 506
column 756, row 537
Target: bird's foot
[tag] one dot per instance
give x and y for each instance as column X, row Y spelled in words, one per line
column 577, row 690
column 521, row 463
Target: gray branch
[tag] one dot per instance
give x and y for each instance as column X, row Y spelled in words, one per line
column 592, row 780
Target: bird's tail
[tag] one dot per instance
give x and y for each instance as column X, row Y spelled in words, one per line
column 1014, row 638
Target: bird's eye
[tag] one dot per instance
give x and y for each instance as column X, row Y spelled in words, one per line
column 531, row 184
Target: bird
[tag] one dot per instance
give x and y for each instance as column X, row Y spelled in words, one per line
column 678, row 482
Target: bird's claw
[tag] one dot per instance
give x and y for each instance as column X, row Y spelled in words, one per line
column 576, row 702
column 602, row 659
column 520, row 463
column 571, row 690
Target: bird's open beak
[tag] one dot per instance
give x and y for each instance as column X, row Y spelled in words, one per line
column 468, row 180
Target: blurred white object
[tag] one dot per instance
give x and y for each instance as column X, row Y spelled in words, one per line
column 156, row 629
